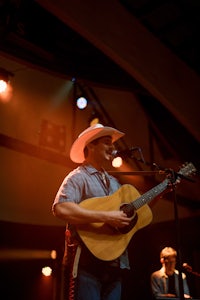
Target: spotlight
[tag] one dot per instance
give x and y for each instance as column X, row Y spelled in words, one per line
column 81, row 102
column 3, row 85
column 117, row 162
column 47, row 271
column 4, row 79
column 53, row 254
column 94, row 121
column 80, row 96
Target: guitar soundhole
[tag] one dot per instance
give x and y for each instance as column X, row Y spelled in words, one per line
column 131, row 213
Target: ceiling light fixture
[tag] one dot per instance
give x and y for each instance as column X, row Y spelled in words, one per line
column 81, row 102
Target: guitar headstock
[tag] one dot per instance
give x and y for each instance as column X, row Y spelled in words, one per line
column 185, row 172
column 187, row 169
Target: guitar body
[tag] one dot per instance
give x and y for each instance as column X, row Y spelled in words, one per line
column 103, row 241
column 108, row 243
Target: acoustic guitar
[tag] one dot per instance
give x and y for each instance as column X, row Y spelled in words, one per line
column 106, row 242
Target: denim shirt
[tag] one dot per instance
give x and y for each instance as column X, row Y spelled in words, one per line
column 83, row 183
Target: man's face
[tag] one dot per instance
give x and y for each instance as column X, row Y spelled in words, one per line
column 103, row 149
column 170, row 264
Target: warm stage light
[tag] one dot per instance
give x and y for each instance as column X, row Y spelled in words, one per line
column 94, row 121
column 6, row 95
column 53, row 254
column 81, row 102
column 27, row 254
column 4, row 79
column 46, row 271
column 95, row 118
column 3, row 85
column 117, row 162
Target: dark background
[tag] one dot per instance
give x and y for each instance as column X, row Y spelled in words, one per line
column 22, row 279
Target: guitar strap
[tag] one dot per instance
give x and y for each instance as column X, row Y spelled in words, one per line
column 76, row 261
column 70, row 263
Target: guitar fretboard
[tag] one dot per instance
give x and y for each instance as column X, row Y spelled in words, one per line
column 148, row 196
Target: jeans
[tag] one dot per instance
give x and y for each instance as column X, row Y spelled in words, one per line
column 89, row 287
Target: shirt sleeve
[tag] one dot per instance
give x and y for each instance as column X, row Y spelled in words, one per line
column 157, row 286
column 185, row 286
column 69, row 191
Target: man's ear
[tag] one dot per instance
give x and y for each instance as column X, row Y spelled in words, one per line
column 162, row 260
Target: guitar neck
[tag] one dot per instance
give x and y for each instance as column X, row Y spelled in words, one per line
column 150, row 195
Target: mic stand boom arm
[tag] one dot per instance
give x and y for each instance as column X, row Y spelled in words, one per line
column 159, row 169
column 176, row 178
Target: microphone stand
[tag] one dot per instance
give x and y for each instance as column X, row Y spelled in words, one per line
column 179, row 263
column 176, row 176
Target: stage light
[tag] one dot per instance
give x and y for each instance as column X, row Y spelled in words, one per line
column 117, row 162
column 4, row 79
column 95, row 118
column 46, row 271
column 94, row 121
column 3, row 85
column 27, row 254
column 53, row 254
column 81, row 102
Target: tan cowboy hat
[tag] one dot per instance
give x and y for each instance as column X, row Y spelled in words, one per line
column 88, row 135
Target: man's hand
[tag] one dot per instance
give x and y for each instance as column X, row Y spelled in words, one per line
column 117, row 219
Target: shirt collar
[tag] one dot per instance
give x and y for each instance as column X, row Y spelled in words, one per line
column 89, row 168
column 163, row 274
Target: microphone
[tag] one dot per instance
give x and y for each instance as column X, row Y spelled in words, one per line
column 187, row 267
column 125, row 153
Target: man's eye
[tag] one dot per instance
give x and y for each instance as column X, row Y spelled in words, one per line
column 108, row 143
